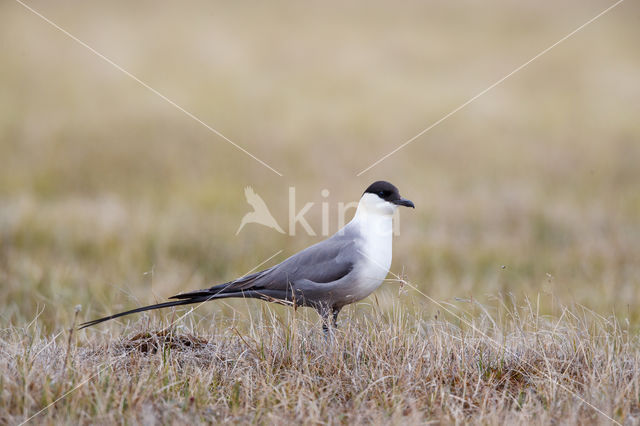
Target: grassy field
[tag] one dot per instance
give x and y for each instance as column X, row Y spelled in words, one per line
column 514, row 294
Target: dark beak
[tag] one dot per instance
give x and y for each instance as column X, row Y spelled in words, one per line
column 405, row 202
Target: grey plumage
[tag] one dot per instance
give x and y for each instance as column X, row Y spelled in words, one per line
column 325, row 276
column 307, row 279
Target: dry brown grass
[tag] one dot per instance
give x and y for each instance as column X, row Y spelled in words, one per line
column 110, row 198
column 505, row 365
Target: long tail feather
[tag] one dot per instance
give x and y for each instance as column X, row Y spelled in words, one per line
column 146, row 308
column 197, row 296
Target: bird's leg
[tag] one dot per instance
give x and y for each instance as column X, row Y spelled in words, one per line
column 329, row 323
column 325, row 328
column 325, row 323
column 336, row 311
column 324, row 312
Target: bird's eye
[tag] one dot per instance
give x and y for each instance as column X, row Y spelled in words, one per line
column 382, row 194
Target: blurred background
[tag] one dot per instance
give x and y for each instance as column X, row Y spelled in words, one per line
column 110, row 197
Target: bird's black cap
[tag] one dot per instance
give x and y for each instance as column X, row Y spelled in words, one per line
column 388, row 192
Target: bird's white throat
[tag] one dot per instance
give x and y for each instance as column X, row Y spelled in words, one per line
column 374, row 218
column 374, row 223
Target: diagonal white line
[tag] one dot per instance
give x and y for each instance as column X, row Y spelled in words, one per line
column 109, row 364
column 265, row 261
column 145, row 85
column 70, row 391
column 491, row 87
column 247, row 273
column 497, row 344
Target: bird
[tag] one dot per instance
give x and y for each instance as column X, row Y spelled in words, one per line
column 260, row 213
column 343, row 269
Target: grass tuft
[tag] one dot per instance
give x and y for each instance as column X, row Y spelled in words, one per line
column 515, row 367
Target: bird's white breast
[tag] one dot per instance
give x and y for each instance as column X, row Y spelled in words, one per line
column 375, row 248
column 377, row 261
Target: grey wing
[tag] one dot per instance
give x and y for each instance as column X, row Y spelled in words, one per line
column 324, row 262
